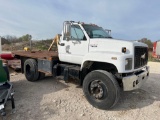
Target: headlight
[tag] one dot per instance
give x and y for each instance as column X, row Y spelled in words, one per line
column 128, row 64
column 126, row 61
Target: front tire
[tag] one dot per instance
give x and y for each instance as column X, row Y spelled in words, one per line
column 101, row 89
column 31, row 70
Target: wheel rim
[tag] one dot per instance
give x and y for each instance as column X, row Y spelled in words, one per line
column 97, row 89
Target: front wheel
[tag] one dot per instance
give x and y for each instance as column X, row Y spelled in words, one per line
column 101, row 89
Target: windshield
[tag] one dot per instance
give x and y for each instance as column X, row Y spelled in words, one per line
column 96, row 32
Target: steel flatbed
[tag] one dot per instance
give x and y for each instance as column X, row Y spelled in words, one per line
column 49, row 55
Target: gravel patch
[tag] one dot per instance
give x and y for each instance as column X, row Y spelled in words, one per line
column 53, row 99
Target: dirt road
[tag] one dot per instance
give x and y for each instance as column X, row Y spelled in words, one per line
column 52, row 99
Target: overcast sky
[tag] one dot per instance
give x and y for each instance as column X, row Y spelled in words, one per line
column 128, row 19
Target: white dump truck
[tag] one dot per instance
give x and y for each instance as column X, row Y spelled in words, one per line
column 102, row 65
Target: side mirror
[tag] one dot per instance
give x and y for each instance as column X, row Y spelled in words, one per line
column 67, row 30
column 109, row 31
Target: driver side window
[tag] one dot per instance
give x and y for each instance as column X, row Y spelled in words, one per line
column 77, row 33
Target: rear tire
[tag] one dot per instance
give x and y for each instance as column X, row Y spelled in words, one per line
column 31, row 70
column 101, row 89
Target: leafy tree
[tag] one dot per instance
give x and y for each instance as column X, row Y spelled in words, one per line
column 26, row 37
column 146, row 41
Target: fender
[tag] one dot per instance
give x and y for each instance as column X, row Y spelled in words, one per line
column 115, row 58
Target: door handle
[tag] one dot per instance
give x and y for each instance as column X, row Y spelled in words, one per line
column 62, row 44
column 76, row 42
column 93, row 45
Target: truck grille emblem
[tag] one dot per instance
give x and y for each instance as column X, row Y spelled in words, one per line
column 143, row 56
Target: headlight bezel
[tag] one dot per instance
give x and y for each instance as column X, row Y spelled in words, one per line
column 128, row 63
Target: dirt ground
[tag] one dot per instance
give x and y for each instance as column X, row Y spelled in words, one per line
column 52, row 99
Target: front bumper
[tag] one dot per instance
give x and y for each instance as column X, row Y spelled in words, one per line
column 135, row 81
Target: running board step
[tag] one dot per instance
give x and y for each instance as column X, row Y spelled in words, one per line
column 68, row 71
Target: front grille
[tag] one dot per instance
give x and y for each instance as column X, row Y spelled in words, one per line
column 140, row 56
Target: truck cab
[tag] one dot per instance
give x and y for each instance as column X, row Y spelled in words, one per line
column 82, row 44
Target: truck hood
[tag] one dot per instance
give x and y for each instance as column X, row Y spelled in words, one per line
column 113, row 45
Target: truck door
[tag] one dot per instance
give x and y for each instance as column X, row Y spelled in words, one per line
column 73, row 49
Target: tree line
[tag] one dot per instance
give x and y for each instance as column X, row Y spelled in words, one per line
column 147, row 41
column 8, row 39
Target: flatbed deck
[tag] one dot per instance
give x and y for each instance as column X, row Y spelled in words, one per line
column 37, row 54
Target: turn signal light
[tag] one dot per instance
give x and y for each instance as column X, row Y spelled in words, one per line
column 124, row 49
